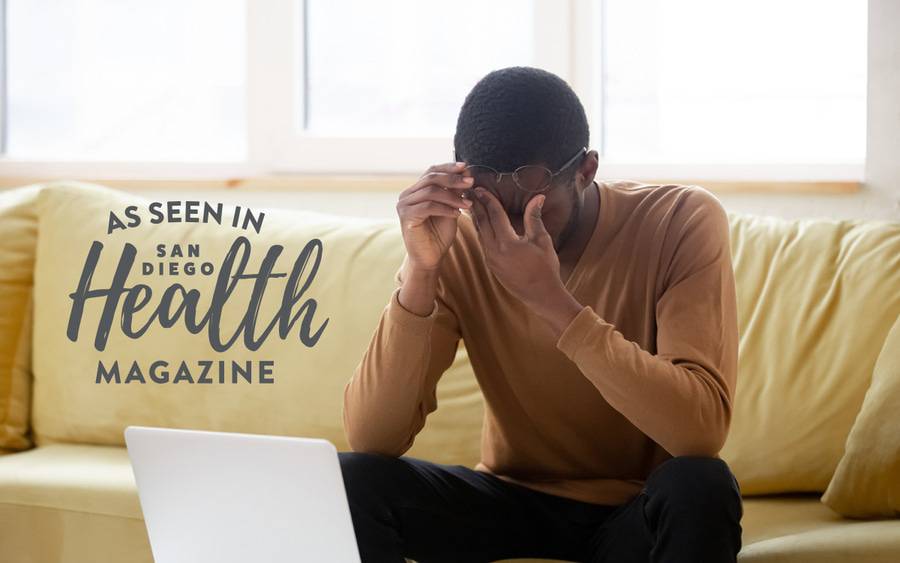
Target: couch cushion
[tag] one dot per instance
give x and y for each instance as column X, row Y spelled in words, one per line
column 867, row 480
column 18, row 239
column 800, row 529
column 816, row 299
column 70, row 504
column 78, row 504
column 93, row 479
column 351, row 288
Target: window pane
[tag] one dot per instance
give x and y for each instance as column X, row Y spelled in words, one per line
column 403, row 67
column 735, row 81
column 126, row 79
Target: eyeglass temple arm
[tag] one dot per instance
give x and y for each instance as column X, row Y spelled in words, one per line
column 582, row 151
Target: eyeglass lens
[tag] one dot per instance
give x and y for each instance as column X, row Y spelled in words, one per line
column 485, row 176
column 533, row 178
column 526, row 178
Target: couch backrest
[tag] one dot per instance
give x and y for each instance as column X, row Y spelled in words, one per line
column 18, row 239
column 357, row 263
column 816, row 298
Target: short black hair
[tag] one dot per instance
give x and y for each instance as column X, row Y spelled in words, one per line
column 521, row 115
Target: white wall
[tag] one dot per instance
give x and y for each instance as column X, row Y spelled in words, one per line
column 883, row 138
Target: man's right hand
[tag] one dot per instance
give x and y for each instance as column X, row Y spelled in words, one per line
column 428, row 212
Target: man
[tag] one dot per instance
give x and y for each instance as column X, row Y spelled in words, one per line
column 600, row 321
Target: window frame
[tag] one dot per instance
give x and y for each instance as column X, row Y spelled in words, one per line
column 275, row 34
column 566, row 41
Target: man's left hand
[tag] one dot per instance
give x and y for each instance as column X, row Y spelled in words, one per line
column 526, row 265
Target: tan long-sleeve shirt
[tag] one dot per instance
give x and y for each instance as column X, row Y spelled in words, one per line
column 645, row 371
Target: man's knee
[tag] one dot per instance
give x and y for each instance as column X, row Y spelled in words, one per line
column 372, row 482
column 695, row 480
column 368, row 477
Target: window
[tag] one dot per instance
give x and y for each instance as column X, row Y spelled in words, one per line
column 719, row 89
column 403, row 67
column 126, row 80
column 723, row 81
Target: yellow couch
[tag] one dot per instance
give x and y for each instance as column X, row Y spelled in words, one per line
column 817, row 299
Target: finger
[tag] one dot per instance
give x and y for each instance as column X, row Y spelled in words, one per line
column 534, row 224
column 425, row 209
column 482, row 221
column 499, row 221
column 435, row 193
column 455, row 179
column 446, row 167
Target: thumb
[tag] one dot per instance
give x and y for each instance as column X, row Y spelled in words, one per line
column 534, row 225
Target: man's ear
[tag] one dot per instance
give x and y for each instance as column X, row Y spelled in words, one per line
column 587, row 171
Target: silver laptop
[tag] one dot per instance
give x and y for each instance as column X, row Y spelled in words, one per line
column 216, row 497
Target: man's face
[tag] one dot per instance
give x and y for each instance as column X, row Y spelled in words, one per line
column 559, row 210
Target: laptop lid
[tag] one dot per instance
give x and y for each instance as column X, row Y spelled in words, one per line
column 216, row 497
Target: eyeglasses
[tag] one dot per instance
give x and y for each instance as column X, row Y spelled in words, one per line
column 531, row 178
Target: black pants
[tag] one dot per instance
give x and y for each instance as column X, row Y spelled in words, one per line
column 688, row 511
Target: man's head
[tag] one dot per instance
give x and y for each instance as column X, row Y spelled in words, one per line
column 521, row 115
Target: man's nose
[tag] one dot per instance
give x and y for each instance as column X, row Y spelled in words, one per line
column 513, row 203
column 512, row 198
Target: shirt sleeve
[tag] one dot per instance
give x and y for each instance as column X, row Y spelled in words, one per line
column 394, row 386
column 681, row 397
